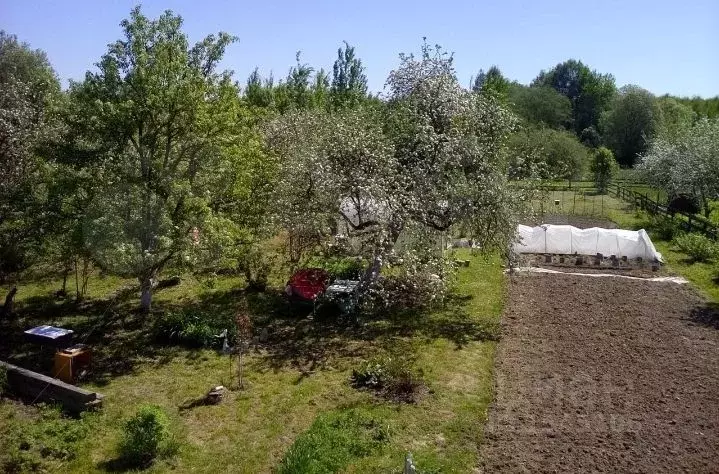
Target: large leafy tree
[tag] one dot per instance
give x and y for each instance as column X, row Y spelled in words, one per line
column 491, row 82
column 545, row 153
column 258, row 91
column 436, row 160
column 29, row 94
column 589, row 91
column 630, row 123
column 687, row 163
column 676, row 118
column 703, row 107
column 298, row 84
column 164, row 119
column 349, row 82
column 541, row 105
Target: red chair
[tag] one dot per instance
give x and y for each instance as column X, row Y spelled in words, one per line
column 307, row 284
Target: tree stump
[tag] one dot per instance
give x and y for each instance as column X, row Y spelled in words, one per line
column 215, row 395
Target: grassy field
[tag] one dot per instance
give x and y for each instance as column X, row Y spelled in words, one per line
column 580, row 202
column 299, row 403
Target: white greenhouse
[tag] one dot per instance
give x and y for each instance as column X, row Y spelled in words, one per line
column 569, row 240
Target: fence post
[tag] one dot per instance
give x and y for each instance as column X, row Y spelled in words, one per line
column 409, row 465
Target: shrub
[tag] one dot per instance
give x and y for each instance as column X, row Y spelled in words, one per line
column 188, row 328
column 147, row 436
column 342, row 268
column 603, row 167
column 393, row 378
column 665, row 229
column 698, row 247
column 333, row 441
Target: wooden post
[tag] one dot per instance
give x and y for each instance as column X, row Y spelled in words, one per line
column 409, row 467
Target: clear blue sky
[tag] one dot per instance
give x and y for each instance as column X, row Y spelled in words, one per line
column 666, row 46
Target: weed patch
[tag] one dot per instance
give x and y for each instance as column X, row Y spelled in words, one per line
column 334, row 440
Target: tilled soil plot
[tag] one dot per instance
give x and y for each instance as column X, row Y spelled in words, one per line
column 604, row 374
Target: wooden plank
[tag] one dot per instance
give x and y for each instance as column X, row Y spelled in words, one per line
column 39, row 387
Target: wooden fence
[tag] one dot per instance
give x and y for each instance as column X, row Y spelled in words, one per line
column 685, row 220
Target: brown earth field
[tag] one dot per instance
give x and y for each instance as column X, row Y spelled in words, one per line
column 604, row 375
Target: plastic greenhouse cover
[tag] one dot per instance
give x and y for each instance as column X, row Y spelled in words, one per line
column 569, row 240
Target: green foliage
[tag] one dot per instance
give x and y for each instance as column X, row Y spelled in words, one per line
column 39, row 444
column 258, row 93
column 342, row 268
column 147, row 436
column 191, row 328
column 589, row 91
column 349, row 82
column 590, row 137
column 297, row 85
column 29, row 95
column 698, row 247
column 334, row 441
column 491, row 83
column 676, row 118
column 630, row 124
column 687, row 163
column 394, row 378
column 165, row 122
column 603, row 168
column 665, row 229
column 547, row 154
column 706, row 108
column 541, row 106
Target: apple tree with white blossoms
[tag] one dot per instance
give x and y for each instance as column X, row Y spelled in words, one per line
column 687, row 163
column 433, row 159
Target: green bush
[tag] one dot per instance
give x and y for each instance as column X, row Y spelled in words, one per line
column 665, row 229
column 333, row 441
column 147, row 436
column 189, row 328
column 393, row 378
column 341, row 268
column 698, row 247
column 603, row 167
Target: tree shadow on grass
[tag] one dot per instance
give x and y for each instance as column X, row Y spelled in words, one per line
column 308, row 345
column 117, row 334
column 121, row 464
column 121, row 339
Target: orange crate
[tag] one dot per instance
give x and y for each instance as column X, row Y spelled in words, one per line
column 69, row 362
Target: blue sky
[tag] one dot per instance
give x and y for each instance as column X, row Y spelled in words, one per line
column 664, row 46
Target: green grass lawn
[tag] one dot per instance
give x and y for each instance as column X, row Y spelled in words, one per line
column 581, row 202
column 299, row 402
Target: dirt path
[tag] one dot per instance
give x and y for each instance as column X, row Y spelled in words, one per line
column 603, row 374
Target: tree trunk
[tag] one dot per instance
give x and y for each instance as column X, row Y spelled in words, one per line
column 6, row 310
column 146, row 293
column 373, row 271
column 65, row 273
